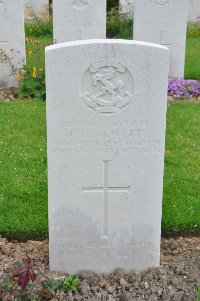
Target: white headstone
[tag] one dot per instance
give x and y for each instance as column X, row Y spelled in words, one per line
column 79, row 20
column 12, row 40
column 194, row 10
column 106, row 111
column 36, row 8
column 127, row 7
column 164, row 22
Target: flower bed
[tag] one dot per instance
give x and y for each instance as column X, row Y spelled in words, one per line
column 183, row 88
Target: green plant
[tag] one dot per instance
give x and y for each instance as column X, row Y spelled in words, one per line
column 65, row 285
column 18, row 287
column 55, row 287
column 70, row 284
column 197, row 290
column 119, row 25
column 31, row 79
column 39, row 28
column 14, row 287
column 32, row 83
column 112, row 4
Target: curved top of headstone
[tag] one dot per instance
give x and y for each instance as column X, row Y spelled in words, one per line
column 104, row 41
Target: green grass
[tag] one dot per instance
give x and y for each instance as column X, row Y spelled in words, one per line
column 192, row 61
column 23, row 177
column 181, row 205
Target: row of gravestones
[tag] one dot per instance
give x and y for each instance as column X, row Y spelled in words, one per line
column 106, row 118
column 158, row 21
column 127, row 7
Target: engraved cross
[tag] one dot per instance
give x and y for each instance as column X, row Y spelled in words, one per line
column 161, row 40
column 106, row 189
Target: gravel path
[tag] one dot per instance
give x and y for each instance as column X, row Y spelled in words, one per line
column 175, row 280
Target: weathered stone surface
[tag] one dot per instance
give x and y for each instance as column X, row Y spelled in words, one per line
column 106, row 108
column 194, row 10
column 79, row 20
column 164, row 22
column 12, row 40
column 127, row 7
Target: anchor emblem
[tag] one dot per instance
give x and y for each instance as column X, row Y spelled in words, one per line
column 110, row 88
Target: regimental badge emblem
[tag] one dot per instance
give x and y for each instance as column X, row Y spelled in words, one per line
column 162, row 2
column 79, row 3
column 107, row 87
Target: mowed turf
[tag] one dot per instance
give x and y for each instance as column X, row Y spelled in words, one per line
column 181, row 204
column 23, row 174
column 23, row 170
column 192, row 60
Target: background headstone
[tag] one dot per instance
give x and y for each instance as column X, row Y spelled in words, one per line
column 12, row 40
column 127, row 7
column 194, row 10
column 79, row 20
column 164, row 22
column 36, row 8
column 106, row 111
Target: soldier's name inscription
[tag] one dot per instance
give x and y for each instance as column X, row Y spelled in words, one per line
column 116, row 137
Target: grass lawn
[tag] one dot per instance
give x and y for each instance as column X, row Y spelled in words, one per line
column 181, row 204
column 192, row 62
column 23, row 177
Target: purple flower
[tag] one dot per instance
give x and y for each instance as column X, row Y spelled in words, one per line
column 183, row 88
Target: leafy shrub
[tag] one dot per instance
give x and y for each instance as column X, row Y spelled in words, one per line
column 119, row 25
column 39, row 28
column 112, row 4
column 32, row 83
